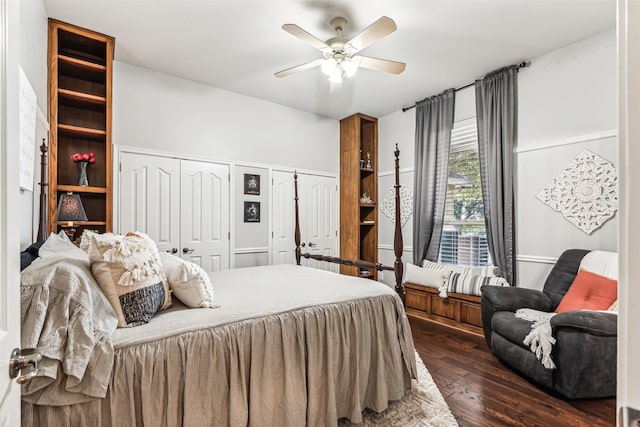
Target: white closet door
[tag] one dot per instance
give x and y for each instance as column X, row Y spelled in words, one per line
column 205, row 214
column 318, row 213
column 320, row 200
column 150, row 198
column 283, row 218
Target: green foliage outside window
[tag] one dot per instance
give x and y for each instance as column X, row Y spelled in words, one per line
column 467, row 196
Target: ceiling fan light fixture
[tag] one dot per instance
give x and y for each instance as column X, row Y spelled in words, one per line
column 329, row 66
column 349, row 67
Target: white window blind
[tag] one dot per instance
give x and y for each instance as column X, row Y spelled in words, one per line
column 464, row 238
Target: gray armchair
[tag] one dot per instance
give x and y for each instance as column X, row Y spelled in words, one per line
column 585, row 351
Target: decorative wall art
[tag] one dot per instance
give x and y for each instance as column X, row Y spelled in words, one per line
column 585, row 192
column 27, row 137
column 251, row 184
column 388, row 205
column 251, row 211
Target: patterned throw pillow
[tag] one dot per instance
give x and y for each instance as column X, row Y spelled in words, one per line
column 461, row 269
column 471, row 284
column 188, row 281
column 129, row 272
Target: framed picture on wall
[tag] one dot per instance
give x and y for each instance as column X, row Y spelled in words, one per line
column 251, row 184
column 251, row 211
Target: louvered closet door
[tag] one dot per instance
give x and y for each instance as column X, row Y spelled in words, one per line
column 205, row 214
column 150, row 198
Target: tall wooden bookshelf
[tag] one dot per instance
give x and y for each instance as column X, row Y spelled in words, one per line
column 358, row 175
column 80, row 76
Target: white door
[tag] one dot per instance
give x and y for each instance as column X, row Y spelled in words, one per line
column 205, row 214
column 150, row 198
column 283, row 249
column 318, row 212
column 319, row 229
column 9, row 215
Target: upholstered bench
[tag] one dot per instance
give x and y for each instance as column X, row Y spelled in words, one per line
column 458, row 311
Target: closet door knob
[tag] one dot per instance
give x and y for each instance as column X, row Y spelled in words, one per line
column 173, row 251
column 303, row 244
column 312, row 245
column 187, row 251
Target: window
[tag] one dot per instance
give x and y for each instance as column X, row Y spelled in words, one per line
column 464, row 237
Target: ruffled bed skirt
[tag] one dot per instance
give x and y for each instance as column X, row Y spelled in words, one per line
column 310, row 367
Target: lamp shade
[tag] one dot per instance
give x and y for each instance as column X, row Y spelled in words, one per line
column 70, row 208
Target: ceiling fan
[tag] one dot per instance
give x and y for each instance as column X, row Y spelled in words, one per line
column 340, row 58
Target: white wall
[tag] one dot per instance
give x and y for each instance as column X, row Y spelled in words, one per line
column 567, row 103
column 565, row 96
column 33, row 60
column 251, row 238
column 156, row 111
column 162, row 112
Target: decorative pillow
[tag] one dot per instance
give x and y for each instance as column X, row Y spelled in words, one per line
column 129, row 272
column 589, row 291
column 471, row 284
column 188, row 281
column 30, row 254
column 85, row 240
column 59, row 245
column 426, row 277
column 462, row 269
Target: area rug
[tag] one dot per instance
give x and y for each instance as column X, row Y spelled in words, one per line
column 422, row 406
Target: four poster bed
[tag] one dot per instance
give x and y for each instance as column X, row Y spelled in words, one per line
column 287, row 346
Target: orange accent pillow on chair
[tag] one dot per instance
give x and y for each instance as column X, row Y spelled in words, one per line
column 589, row 291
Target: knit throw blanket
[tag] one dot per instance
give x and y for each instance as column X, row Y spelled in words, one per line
column 539, row 339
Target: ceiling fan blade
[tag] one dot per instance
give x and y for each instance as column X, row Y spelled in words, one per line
column 385, row 65
column 374, row 32
column 298, row 32
column 297, row 68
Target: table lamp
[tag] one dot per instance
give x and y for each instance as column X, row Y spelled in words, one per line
column 70, row 209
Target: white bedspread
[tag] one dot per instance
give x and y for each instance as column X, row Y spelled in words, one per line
column 247, row 293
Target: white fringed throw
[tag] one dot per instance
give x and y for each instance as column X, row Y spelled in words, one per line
column 539, row 339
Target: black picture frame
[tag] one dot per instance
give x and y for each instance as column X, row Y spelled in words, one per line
column 251, row 211
column 252, row 184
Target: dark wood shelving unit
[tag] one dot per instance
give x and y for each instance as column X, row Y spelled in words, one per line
column 80, row 75
column 358, row 220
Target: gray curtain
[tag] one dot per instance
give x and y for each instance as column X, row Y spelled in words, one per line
column 434, row 120
column 497, row 117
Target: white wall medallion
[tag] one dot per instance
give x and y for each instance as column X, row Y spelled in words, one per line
column 388, row 205
column 585, row 192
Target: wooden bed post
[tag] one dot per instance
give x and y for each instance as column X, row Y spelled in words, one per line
column 397, row 238
column 42, row 222
column 296, row 235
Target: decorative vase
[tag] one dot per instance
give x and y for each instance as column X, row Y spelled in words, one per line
column 84, row 181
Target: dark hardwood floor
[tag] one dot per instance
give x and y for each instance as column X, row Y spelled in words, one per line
column 481, row 391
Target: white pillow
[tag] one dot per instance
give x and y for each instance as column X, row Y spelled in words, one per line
column 59, row 245
column 188, row 281
column 426, row 277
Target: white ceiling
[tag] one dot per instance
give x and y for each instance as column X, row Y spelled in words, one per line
column 238, row 45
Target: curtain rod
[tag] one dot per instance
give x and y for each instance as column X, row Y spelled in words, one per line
column 523, row 64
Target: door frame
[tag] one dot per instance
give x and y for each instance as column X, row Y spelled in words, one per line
column 10, row 218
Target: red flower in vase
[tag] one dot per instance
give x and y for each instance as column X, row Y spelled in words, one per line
column 84, row 157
